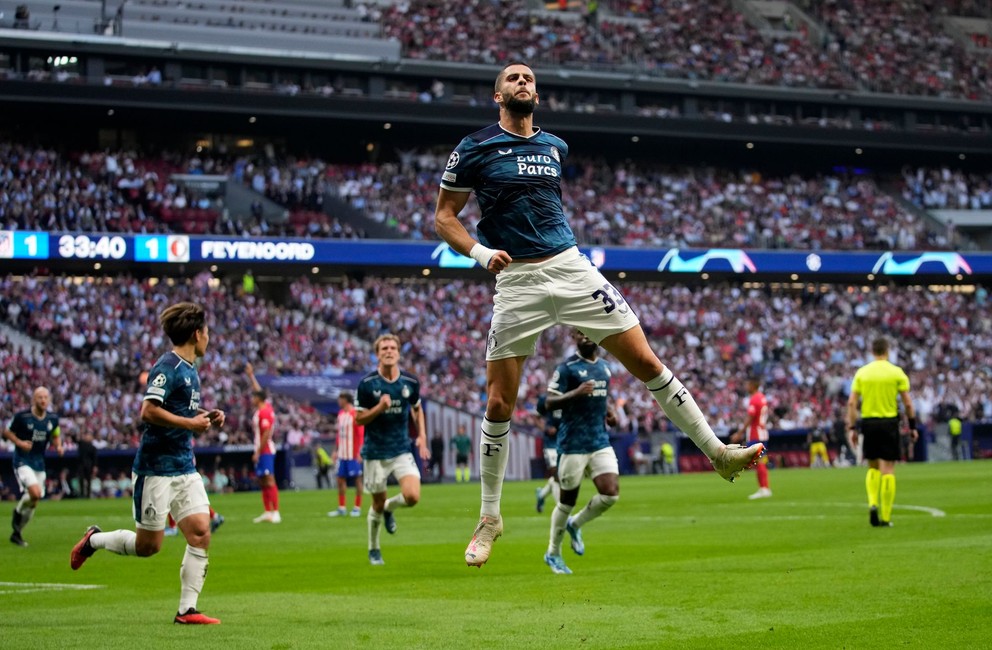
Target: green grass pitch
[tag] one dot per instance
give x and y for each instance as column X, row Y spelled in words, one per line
column 681, row 562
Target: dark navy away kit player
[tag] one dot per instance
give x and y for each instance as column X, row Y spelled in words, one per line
column 542, row 279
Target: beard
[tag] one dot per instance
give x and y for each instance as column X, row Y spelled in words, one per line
column 587, row 349
column 520, row 106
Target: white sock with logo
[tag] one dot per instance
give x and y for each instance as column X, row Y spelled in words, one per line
column 192, row 573
column 494, row 452
column 681, row 409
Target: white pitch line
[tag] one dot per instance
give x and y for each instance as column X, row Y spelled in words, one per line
column 934, row 512
column 33, row 587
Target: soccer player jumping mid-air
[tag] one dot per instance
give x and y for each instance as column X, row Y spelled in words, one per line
column 542, row 279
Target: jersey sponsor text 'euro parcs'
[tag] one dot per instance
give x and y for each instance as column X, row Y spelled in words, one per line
column 582, row 429
column 517, row 182
column 40, row 431
column 387, row 436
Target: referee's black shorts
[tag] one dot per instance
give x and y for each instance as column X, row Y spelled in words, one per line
column 881, row 438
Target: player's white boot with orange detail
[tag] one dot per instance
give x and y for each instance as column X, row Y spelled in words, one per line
column 487, row 532
column 734, row 459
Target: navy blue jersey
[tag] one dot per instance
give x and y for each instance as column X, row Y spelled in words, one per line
column 583, row 420
column 40, row 431
column 165, row 451
column 552, row 422
column 517, row 182
column 387, row 436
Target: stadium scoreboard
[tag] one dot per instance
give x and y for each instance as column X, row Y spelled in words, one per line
column 170, row 249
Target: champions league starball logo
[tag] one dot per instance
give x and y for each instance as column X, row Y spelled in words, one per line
column 453, row 160
column 953, row 263
column 715, row 257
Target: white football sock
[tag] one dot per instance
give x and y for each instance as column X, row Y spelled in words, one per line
column 25, row 510
column 192, row 573
column 394, row 502
column 120, row 542
column 559, row 517
column 375, row 526
column 494, row 453
column 596, row 506
column 551, row 487
column 681, row 409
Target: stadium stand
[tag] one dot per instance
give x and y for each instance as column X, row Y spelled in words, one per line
column 921, row 49
column 106, row 329
column 805, row 343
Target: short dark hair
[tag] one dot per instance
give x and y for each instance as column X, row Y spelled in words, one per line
column 261, row 394
column 180, row 321
column 346, row 396
column 880, row 346
column 502, row 72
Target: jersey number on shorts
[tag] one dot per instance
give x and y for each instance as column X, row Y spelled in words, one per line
column 611, row 298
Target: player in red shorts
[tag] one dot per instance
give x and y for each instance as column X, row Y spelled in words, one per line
column 263, row 422
column 756, row 427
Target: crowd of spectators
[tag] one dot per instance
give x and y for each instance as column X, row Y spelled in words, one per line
column 625, row 203
column 124, row 191
column 648, row 205
column 947, row 189
column 895, row 47
column 805, row 343
column 892, row 46
column 902, row 47
column 690, row 40
column 100, row 334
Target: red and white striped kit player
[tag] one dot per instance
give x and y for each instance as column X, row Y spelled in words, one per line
column 351, row 436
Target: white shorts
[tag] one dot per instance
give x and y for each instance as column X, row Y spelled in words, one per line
column 157, row 496
column 550, row 458
column 377, row 471
column 564, row 290
column 26, row 477
column 573, row 467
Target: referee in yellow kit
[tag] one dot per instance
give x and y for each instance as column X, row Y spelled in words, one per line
column 879, row 386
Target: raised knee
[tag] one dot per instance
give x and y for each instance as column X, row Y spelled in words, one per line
column 411, row 500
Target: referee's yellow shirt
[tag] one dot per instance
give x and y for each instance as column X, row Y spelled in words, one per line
column 879, row 384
